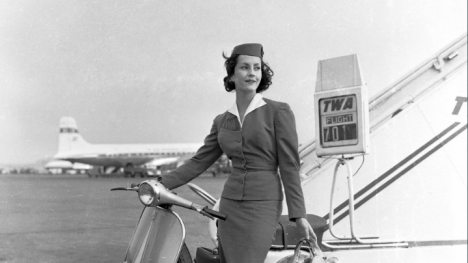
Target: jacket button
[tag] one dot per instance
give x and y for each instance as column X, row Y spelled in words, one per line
column 238, row 140
column 243, row 161
column 237, row 151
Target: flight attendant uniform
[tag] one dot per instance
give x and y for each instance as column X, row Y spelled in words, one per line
column 252, row 196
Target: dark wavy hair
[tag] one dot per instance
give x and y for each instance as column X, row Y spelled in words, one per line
column 230, row 64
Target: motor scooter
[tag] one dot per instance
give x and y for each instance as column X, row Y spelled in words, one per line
column 159, row 236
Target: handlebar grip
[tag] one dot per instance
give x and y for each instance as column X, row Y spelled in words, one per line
column 118, row 188
column 215, row 213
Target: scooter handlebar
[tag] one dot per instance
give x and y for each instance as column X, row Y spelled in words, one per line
column 160, row 195
column 215, row 213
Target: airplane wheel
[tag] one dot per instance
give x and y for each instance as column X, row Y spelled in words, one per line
column 184, row 256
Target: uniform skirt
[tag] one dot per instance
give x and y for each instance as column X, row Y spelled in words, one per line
column 248, row 232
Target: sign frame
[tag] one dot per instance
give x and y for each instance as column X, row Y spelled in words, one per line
column 362, row 122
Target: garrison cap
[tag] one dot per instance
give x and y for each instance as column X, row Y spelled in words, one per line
column 250, row 49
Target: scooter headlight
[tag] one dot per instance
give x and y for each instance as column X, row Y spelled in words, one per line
column 147, row 194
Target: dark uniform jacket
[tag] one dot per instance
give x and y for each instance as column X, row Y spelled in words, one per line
column 266, row 140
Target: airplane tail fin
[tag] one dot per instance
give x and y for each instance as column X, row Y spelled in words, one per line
column 69, row 138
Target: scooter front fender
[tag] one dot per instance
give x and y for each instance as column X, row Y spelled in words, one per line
column 158, row 237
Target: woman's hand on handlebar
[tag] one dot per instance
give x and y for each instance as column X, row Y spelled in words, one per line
column 309, row 233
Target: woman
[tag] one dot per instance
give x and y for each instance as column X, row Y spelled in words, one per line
column 258, row 135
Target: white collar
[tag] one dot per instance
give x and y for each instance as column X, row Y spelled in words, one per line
column 256, row 103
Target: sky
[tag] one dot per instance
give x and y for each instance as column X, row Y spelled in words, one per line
column 151, row 71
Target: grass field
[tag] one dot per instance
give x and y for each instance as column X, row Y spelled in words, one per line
column 72, row 218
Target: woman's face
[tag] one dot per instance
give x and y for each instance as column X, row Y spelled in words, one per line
column 247, row 73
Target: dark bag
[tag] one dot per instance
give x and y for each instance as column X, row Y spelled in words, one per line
column 288, row 234
column 205, row 255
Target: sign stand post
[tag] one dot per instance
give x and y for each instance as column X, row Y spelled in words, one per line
column 342, row 128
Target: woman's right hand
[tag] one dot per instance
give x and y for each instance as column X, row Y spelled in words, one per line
column 309, row 233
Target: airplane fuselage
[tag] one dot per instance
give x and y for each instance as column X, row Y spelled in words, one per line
column 121, row 155
column 73, row 148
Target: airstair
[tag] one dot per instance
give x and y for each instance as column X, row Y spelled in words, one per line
column 415, row 175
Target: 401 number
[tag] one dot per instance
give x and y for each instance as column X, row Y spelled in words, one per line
column 339, row 133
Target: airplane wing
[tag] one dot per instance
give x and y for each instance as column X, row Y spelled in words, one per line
column 162, row 161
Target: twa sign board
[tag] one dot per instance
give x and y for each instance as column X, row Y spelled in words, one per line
column 341, row 108
column 338, row 117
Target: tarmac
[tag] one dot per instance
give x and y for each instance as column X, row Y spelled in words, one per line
column 73, row 218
